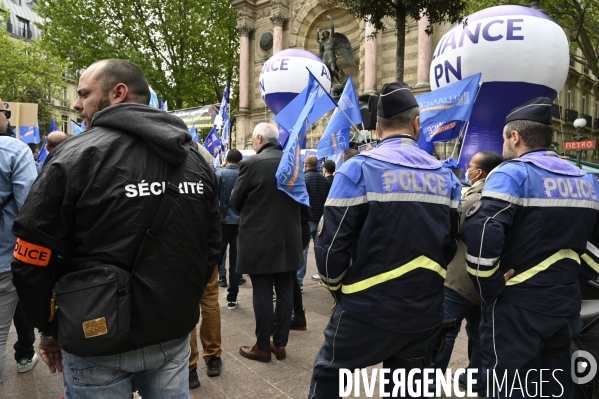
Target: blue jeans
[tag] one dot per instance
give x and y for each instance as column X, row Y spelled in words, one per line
column 160, row 371
column 301, row 273
column 456, row 306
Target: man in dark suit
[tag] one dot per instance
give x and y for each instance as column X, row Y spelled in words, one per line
column 270, row 244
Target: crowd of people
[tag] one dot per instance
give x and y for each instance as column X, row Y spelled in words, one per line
column 91, row 253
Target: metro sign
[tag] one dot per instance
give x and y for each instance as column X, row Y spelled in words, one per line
column 579, row 145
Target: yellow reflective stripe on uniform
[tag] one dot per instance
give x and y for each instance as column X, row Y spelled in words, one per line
column 562, row 254
column 594, row 265
column 421, row 262
column 479, row 273
column 331, row 287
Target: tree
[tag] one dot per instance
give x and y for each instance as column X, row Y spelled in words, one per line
column 29, row 74
column 579, row 18
column 186, row 48
column 373, row 11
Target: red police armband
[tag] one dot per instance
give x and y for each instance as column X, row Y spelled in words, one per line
column 31, row 254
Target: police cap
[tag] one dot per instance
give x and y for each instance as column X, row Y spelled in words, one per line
column 536, row 110
column 395, row 97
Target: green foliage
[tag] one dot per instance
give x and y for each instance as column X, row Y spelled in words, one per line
column 186, row 48
column 29, row 74
column 373, row 11
column 579, row 18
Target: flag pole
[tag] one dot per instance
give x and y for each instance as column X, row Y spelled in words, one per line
column 332, row 99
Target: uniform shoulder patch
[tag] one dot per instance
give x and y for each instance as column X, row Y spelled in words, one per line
column 320, row 226
column 474, row 208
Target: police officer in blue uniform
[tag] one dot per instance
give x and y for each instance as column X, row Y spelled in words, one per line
column 388, row 231
column 529, row 238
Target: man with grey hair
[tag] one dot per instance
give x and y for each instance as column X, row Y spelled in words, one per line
column 270, row 242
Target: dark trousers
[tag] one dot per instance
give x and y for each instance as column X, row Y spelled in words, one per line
column 263, row 308
column 456, row 306
column 229, row 237
column 515, row 340
column 352, row 343
column 298, row 304
column 25, row 335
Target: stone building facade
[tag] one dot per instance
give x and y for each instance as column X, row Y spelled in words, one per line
column 268, row 26
column 293, row 24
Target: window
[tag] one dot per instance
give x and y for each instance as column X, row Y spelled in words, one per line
column 64, row 123
column 64, row 102
column 569, row 104
column 597, row 108
column 23, row 28
column 584, row 102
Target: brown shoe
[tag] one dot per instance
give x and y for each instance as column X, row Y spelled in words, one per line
column 255, row 353
column 280, row 353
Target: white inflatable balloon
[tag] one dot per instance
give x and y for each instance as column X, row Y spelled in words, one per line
column 521, row 53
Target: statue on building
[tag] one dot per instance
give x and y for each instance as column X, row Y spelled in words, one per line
column 331, row 43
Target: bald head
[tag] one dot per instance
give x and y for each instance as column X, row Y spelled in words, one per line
column 54, row 139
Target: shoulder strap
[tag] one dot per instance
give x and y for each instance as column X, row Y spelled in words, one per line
column 168, row 200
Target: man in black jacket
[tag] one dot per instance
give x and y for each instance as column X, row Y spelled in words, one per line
column 318, row 190
column 92, row 204
column 270, row 242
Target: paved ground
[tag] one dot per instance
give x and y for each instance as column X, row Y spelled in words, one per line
column 240, row 378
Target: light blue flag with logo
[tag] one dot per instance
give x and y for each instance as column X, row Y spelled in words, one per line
column 154, row 103
column 194, row 133
column 290, row 174
column 288, row 115
column 76, row 128
column 336, row 136
column 164, row 106
column 444, row 112
column 212, row 142
column 29, row 134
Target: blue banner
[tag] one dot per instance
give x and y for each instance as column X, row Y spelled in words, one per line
column 29, row 134
column 153, row 100
column 337, row 134
column 444, row 112
column 212, row 142
column 164, row 106
column 290, row 174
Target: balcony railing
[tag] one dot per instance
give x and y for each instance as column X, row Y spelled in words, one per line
column 556, row 111
column 571, row 115
column 588, row 118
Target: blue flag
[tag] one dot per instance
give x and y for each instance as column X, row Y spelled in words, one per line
column 194, row 133
column 76, row 128
column 153, row 100
column 224, row 119
column 53, row 127
column 445, row 111
column 164, row 106
column 336, row 136
column 29, row 134
column 288, row 115
column 41, row 157
column 290, row 174
column 212, row 142
column 338, row 159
